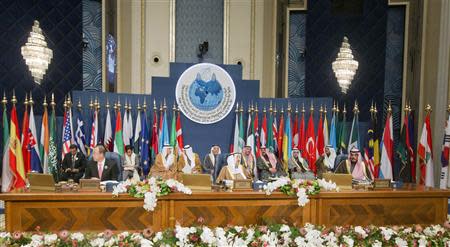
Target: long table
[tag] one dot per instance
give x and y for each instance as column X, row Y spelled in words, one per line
column 94, row 211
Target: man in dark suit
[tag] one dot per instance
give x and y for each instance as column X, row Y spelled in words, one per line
column 100, row 167
column 73, row 165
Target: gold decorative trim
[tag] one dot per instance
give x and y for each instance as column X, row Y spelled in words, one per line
column 226, row 30
column 143, row 57
column 172, row 21
column 252, row 39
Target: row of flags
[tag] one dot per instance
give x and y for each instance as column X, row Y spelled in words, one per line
column 26, row 152
column 378, row 152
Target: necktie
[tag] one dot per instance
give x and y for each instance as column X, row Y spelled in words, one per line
column 100, row 170
column 73, row 161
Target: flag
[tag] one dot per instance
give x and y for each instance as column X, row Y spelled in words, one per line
column 301, row 135
column 25, row 141
column 387, row 150
column 108, row 140
column 67, row 134
column 138, row 134
column 44, row 140
column 445, row 155
column 33, row 147
column 332, row 138
column 404, row 154
column 126, row 128
column 144, row 145
column 310, row 145
column 80, row 137
column 263, row 136
column 354, row 134
column 320, row 147
column 15, row 152
column 287, row 140
column 7, row 173
column 154, row 146
column 173, row 131
column 250, row 140
column 295, row 132
column 325, row 130
column 280, row 136
column 275, row 133
column 373, row 151
column 130, row 125
column 235, row 146
column 269, row 129
column 425, row 153
column 179, row 133
column 343, row 134
column 256, row 131
column 241, row 141
column 52, row 148
column 164, row 136
column 410, row 145
column 118, row 136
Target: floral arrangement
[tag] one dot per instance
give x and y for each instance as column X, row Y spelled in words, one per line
column 150, row 189
column 266, row 235
column 301, row 188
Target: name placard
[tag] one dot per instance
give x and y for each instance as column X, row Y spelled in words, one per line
column 382, row 184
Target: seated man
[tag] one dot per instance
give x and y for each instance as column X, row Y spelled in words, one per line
column 269, row 166
column 73, row 165
column 130, row 163
column 210, row 160
column 233, row 170
column 298, row 167
column 355, row 166
column 165, row 166
column 189, row 162
column 100, row 167
column 248, row 161
column 325, row 163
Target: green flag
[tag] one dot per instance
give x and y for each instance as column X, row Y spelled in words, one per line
column 354, row 134
column 118, row 137
column 173, row 131
column 241, row 133
column 52, row 149
column 343, row 135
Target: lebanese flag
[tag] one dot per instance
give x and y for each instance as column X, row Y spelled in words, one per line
column 320, row 144
column 263, row 136
column 310, row 145
column 387, row 150
column 425, row 152
column 301, row 136
column 257, row 140
column 15, row 152
column 295, row 138
column 179, row 134
column 25, row 141
column 280, row 136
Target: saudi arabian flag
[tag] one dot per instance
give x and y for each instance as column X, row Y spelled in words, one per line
column 52, row 149
column 118, row 138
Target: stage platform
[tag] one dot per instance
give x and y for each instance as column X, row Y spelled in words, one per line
column 85, row 211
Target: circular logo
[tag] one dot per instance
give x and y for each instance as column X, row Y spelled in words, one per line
column 205, row 93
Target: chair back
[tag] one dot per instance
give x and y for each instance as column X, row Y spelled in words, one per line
column 118, row 159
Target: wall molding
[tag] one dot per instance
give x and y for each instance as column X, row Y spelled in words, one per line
column 172, row 9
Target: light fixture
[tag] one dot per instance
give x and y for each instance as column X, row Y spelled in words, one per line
column 36, row 54
column 345, row 66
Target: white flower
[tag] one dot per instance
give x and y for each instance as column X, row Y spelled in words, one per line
column 98, row 242
column 349, row 241
column 407, row 230
column 271, row 187
column 78, row 236
column 377, row 243
column 327, row 185
column 207, row 236
column 422, row 241
column 361, row 231
column 37, row 238
column 150, row 201
column 300, row 241
column 302, row 197
column 123, row 234
column 145, row 242
column 285, row 228
column 111, row 242
column 50, row 238
column 158, row 237
column 120, row 188
column 401, row 242
column 238, row 228
column 387, row 233
column 5, row 235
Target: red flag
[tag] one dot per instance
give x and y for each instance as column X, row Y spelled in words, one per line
column 295, row 134
column 310, row 145
column 155, row 150
column 301, row 135
column 263, row 136
column 425, row 153
column 319, row 140
column 280, row 136
column 25, row 142
column 15, row 152
column 256, row 128
column 409, row 136
column 179, row 133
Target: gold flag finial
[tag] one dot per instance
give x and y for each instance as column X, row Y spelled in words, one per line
column 52, row 102
column 334, row 107
column 14, row 99
column 237, row 107
column 321, row 109
column 155, row 108
column 355, row 108
column 4, row 100
column 303, row 108
column 26, row 100
column 45, row 101
column 256, row 108
column 91, row 104
column 325, row 109
column 79, row 106
column 138, row 107
column 264, row 109
column 312, row 106
column 30, row 100
column 296, row 109
column 282, row 109
column 242, row 108
column 275, row 108
column 389, row 109
column 428, row 108
column 107, row 104
column 344, row 110
column 144, row 106
column 118, row 104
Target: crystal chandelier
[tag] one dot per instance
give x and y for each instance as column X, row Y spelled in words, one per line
column 36, row 54
column 345, row 66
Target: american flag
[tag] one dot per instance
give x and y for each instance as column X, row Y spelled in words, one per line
column 67, row 136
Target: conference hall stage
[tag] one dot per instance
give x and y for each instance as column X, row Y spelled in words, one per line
column 91, row 211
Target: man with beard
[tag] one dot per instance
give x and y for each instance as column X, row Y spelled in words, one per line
column 298, row 167
column 355, row 166
column 269, row 166
column 189, row 163
column 165, row 166
column 326, row 161
column 249, row 162
column 211, row 160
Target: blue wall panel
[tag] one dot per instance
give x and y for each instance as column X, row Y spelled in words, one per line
column 92, row 54
column 297, row 45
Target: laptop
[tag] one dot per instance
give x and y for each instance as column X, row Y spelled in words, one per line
column 197, row 182
column 343, row 181
column 41, row 182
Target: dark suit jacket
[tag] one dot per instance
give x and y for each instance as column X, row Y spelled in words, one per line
column 80, row 162
column 110, row 170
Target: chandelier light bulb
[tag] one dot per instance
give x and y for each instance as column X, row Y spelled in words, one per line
column 36, row 54
column 345, row 66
